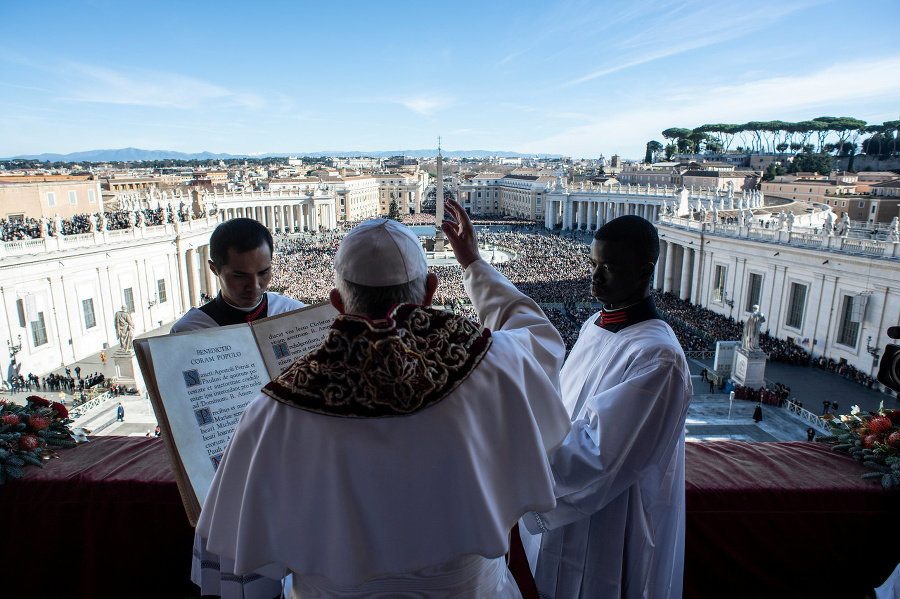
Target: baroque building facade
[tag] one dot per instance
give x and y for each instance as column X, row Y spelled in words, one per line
column 59, row 294
column 833, row 296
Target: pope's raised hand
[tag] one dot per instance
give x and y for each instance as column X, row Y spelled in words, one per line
column 461, row 234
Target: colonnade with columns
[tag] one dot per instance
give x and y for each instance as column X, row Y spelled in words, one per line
column 678, row 269
column 291, row 217
column 195, row 276
column 582, row 211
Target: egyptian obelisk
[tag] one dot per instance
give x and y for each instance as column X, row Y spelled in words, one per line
column 439, row 202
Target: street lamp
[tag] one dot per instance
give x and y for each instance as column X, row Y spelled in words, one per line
column 14, row 348
column 874, row 351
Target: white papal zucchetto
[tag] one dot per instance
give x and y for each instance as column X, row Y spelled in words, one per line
column 380, row 253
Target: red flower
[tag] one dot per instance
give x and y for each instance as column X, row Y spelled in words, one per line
column 29, row 442
column 870, row 440
column 894, row 439
column 60, row 409
column 880, row 424
column 39, row 423
column 894, row 416
column 10, row 419
column 38, row 401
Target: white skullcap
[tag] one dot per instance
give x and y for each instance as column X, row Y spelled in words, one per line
column 380, row 253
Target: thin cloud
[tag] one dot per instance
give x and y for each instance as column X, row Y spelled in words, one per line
column 425, row 105
column 661, row 33
column 151, row 88
column 766, row 98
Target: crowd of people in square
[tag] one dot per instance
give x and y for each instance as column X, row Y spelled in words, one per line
column 550, row 269
column 702, row 326
column 303, row 267
column 845, row 370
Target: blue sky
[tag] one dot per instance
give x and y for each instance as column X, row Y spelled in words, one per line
column 580, row 78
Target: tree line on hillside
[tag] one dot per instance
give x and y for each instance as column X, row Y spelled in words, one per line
column 780, row 136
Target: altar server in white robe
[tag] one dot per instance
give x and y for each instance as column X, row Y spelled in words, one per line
column 240, row 252
column 618, row 527
column 395, row 459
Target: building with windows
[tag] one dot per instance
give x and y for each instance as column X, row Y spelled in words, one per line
column 34, row 197
column 407, row 188
column 696, row 175
column 491, row 194
column 832, row 296
column 886, row 189
column 59, row 295
column 876, row 176
column 659, row 173
column 809, row 188
column 865, row 209
column 720, row 179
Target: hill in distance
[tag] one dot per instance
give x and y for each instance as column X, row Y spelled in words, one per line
column 136, row 154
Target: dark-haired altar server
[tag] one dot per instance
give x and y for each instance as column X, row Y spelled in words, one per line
column 618, row 528
column 240, row 252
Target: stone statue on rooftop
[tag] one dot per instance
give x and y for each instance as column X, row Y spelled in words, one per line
column 746, row 217
column 894, row 231
column 843, row 226
column 790, row 221
column 828, row 224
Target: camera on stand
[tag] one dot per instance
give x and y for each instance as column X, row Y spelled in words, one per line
column 889, row 369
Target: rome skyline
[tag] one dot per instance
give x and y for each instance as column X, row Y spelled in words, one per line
column 571, row 78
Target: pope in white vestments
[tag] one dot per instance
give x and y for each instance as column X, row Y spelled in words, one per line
column 395, row 459
column 618, row 528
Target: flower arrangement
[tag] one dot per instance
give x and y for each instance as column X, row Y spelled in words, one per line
column 872, row 438
column 27, row 431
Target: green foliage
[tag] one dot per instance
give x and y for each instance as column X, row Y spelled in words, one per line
column 394, row 210
column 670, row 151
column 33, row 459
column 771, row 136
column 13, row 471
column 677, row 133
column 61, row 442
column 773, row 170
column 807, row 162
column 882, row 459
column 653, row 148
column 21, row 443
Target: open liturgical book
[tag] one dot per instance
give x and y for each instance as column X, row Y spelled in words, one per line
column 199, row 383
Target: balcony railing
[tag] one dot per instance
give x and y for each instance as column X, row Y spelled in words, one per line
column 801, row 238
